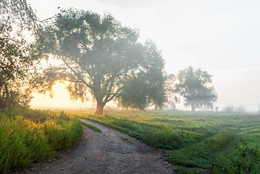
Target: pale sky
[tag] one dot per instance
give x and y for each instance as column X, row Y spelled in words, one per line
column 219, row 36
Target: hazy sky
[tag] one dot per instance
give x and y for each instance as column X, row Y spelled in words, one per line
column 219, row 36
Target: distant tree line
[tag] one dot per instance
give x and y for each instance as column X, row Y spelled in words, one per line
column 239, row 109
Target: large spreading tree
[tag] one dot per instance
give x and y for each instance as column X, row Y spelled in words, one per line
column 100, row 56
column 194, row 85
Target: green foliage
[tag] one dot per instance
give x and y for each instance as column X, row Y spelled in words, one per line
column 62, row 133
column 14, row 67
column 146, row 87
column 25, row 140
column 245, row 159
column 22, row 142
column 91, row 126
column 16, row 16
column 194, row 87
column 152, row 134
column 135, row 94
column 171, row 96
column 183, row 170
column 202, row 154
column 99, row 56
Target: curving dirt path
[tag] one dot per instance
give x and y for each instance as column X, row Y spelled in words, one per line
column 106, row 153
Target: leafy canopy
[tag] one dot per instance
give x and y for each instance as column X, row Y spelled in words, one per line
column 194, row 86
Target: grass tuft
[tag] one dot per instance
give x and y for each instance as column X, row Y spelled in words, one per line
column 91, row 126
column 126, row 140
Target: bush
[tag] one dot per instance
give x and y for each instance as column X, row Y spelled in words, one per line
column 61, row 133
column 24, row 141
column 245, row 159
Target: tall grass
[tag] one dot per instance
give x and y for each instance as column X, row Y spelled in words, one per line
column 33, row 135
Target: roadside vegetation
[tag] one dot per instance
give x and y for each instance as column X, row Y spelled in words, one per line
column 28, row 135
column 217, row 141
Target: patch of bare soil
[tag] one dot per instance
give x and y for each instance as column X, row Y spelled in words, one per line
column 108, row 152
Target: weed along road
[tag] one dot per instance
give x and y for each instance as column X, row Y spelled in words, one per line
column 108, row 152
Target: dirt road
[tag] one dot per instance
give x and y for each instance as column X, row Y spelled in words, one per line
column 108, row 152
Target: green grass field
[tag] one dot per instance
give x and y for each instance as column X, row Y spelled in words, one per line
column 220, row 142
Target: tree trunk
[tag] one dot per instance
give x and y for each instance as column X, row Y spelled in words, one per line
column 6, row 93
column 99, row 109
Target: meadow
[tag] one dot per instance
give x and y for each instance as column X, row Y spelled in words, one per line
column 217, row 141
column 28, row 135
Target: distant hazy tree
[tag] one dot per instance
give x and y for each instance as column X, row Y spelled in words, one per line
column 228, row 109
column 100, row 56
column 194, row 86
column 15, row 16
column 240, row 109
column 171, row 96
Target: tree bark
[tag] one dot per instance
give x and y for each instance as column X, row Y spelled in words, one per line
column 100, row 108
column 6, row 92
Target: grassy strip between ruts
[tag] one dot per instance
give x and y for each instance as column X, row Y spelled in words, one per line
column 91, row 126
column 27, row 136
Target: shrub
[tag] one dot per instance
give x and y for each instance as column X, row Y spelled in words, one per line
column 23, row 141
column 245, row 159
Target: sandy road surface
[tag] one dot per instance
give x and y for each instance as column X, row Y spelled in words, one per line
column 105, row 153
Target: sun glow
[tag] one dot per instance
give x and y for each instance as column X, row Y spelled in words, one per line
column 60, row 99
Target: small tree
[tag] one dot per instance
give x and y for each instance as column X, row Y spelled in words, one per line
column 171, row 96
column 99, row 56
column 194, row 86
column 15, row 61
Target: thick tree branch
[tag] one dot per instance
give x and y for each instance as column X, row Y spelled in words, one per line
column 79, row 76
column 111, row 82
column 114, row 95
